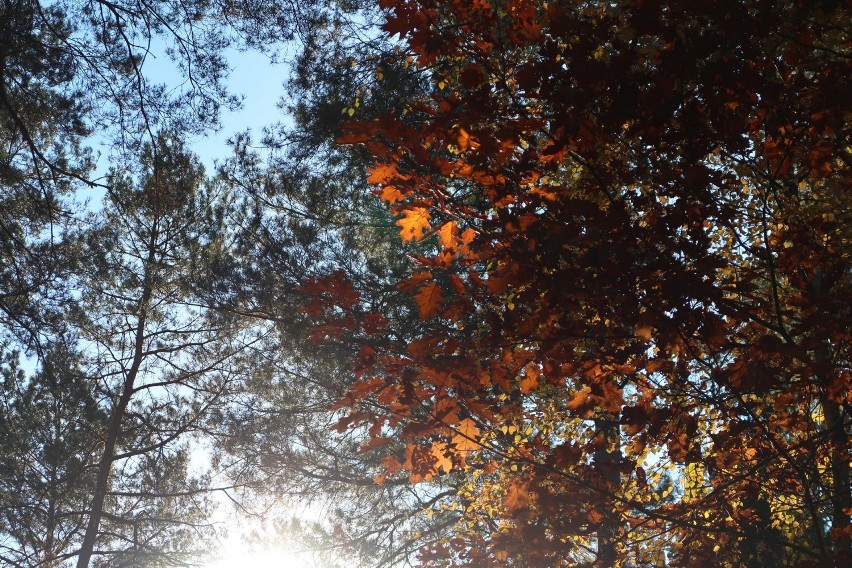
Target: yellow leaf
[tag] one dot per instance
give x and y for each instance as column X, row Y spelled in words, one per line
column 413, row 223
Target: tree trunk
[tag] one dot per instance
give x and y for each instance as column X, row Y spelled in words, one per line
column 841, row 493
column 607, row 463
column 103, row 481
column 841, row 501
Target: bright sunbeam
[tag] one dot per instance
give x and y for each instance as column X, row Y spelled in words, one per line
column 240, row 556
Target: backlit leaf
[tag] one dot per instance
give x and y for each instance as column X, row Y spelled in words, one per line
column 413, row 223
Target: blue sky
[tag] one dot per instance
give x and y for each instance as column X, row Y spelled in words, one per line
column 259, row 82
column 253, row 78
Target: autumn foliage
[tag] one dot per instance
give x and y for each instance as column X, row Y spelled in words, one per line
column 633, row 272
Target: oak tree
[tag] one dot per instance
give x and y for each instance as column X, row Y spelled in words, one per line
column 633, row 280
column 306, row 228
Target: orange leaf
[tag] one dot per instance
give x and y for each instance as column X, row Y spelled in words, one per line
column 466, row 436
column 579, row 399
column 382, row 173
column 391, row 194
column 445, row 234
column 465, row 140
column 414, row 222
column 644, row 332
column 439, row 451
column 447, row 411
column 391, row 464
column 518, row 496
column 467, row 236
column 420, row 462
column 530, row 380
column 429, row 300
column 595, row 516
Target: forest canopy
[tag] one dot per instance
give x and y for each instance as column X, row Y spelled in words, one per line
column 517, row 283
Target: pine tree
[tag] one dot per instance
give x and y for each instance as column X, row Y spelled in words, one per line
column 161, row 362
column 51, row 426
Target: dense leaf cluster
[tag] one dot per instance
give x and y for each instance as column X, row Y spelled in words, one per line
column 636, row 271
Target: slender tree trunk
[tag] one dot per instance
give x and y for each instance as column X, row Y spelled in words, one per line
column 841, row 501
column 841, row 492
column 102, row 484
column 103, row 480
column 607, row 461
column 50, row 528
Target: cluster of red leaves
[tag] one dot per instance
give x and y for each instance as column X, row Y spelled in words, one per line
column 635, row 230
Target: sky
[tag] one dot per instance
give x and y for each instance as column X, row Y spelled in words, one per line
column 236, row 552
column 261, row 84
column 253, row 78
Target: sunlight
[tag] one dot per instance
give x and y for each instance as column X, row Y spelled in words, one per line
column 239, row 556
column 256, row 541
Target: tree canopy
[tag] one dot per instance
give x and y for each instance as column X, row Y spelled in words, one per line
column 521, row 283
column 633, row 276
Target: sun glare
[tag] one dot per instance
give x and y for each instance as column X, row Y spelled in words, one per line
column 267, row 558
